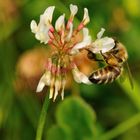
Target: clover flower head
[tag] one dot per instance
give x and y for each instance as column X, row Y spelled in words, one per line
column 61, row 39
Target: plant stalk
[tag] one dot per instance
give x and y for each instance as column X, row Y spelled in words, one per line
column 42, row 118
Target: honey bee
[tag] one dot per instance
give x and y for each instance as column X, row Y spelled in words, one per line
column 114, row 59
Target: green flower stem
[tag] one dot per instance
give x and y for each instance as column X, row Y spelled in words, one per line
column 42, row 118
column 121, row 128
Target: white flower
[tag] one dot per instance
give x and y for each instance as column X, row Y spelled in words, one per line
column 80, row 77
column 73, row 10
column 85, row 42
column 102, row 44
column 86, row 18
column 60, row 23
column 64, row 43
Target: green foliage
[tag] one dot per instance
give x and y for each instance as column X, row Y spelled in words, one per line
column 75, row 120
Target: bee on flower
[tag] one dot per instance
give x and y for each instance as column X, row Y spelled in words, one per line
column 61, row 39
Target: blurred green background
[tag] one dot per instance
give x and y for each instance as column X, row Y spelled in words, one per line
column 101, row 112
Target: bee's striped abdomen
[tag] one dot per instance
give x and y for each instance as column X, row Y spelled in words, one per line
column 105, row 75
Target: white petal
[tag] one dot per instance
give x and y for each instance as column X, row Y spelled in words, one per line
column 33, row 26
column 100, row 34
column 73, row 9
column 86, row 41
column 60, row 23
column 41, row 31
column 44, row 80
column 55, row 93
column 104, row 45
column 57, row 87
column 86, row 18
column 79, row 77
column 42, row 35
column 77, row 47
column 52, row 87
column 87, row 37
column 108, row 44
column 40, row 86
column 70, row 32
column 49, row 14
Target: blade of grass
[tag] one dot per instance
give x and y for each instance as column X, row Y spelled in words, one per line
column 121, row 128
column 132, row 93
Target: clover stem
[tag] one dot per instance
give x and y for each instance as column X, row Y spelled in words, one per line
column 42, row 118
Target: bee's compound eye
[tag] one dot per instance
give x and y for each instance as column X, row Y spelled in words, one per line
column 91, row 55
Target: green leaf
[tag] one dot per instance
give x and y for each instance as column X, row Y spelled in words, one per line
column 57, row 133
column 76, row 118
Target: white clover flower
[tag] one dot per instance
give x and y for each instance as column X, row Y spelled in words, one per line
column 60, row 38
column 64, row 44
column 102, row 44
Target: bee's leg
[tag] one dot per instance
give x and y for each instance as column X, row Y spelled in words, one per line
column 105, row 56
column 110, row 59
column 93, row 56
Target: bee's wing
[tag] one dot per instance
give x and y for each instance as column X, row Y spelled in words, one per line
column 129, row 75
column 122, row 77
column 126, row 73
